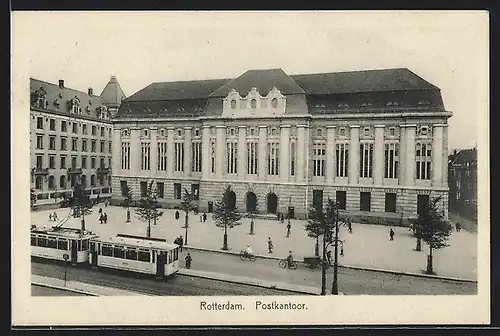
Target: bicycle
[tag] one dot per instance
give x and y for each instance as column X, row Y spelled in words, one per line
column 244, row 255
column 284, row 264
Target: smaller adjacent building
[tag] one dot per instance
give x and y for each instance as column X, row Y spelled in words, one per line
column 462, row 181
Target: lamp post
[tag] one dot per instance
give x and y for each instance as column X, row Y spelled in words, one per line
column 65, row 257
column 335, row 289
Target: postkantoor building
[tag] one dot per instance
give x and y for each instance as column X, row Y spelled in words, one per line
column 374, row 141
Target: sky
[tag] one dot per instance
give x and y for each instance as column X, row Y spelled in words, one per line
column 448, row 49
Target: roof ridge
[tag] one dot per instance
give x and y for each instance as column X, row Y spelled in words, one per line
column 64, row 88
column 349, row 71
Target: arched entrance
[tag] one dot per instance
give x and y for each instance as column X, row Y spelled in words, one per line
column 232, row 200
column 83, row 179
column 272, row 203
column 92, row 180
column 62, row 181
column 52, row 183
column 251, row 201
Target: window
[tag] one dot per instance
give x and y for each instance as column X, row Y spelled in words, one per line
column 196, row 157
column 118, row 252
column 42, row 241
column 177, row 190
column 52, row 183
column 52, row 124
column 102, row 131
column 392, row 131
column 63, row 144
column 62, row 244
column 424, row 130
column 232, row 157
column 144, row 255
column 52, row 162
column 110, row 159
column 364, row 201
column 39, row 161
column 179, row 156
column 75, row 127
column 39, row 123
column 84, row 129
column 365, row 160
column 107, row 250
column 162, row 156
column 102, row 144
column 110, row 147
column 94, row 130
column 38, row 183
column 274, row 103
column 123, row 188
column 197, row 132
column 390, row 202
column 160, row 188
column 366, row 131
column 253, row 104
column 74, row 144
column 212, row 157
column 342, row 159
column 292, row 158
column 131, row 253
column 423, row 157
column 101, row 162
column 318, row 156
column 125, row 156
column 273, row 154
column 195, row 191
column 342, row 132
column 64, row 126
column 340, row 197
column 319, row 132
column 233, row 104
column 109, row 132
column 52, row 142
column 85, row 244
column 73, row 162
column 63, row 161
column 144, row 189
column 145, row 155
column 93, row 145
column 52, row 243
column 318, row 198
column 92, row 163
column 422, row 203
column 84, row 162
column 39, row 141
column 33, row 240
column 252, row 157
column 84, row 145
column 391, row 154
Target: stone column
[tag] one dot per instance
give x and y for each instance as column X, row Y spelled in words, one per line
column 354, row 155
column 330, row 155
column 302, row 153
column 220, row 151
column 284, row 168
column 378, row 156
column 444, row 180
column 262, row 173
column 187, row 151
column 116, row 153
column 241, row 152
column 410, row 155
column 170, row 151
column 135, row 152
column 437, row 155
column 205, row 149
column 154, row 151
column 401, row 155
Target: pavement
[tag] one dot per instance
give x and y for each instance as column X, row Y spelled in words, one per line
column 466, row 224
column 367, row 247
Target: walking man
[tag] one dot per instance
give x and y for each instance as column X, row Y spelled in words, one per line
column 181, row 242
column 329, row 257
column 188, row 260
column 50, row 217
column 204, row 217
column 105, row 218
column 270, row 245
column 391, row 234
column 288, row 229
column 54, row 216
column 349, row 226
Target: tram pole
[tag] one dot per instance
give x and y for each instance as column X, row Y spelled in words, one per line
column 335, row 289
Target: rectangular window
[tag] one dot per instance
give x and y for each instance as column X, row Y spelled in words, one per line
column 39, row 141
column 162, row 156
column 52, row 142
column 39, row 123
column 125, row 156
column 195, row 191
column 391, row 158
column 74, row 144
column 365, row 160
column 84, row 129
column 179, row 157
column 118, row 252
column 160, row 188
column 102, row 131
column 84, row 162
column 131, row 253
column 364, row 201
column 123, row 188
column 319, row 159
column 52, row 124
column 318, row 198
column 63, row 144
column 292, row 159
column 145, row 156
column 33, row 240
column 196, row 157
column 422, row 203
column 62, row 244
column 273, row 154
column 73, row 162
column 84, row 145
column 102, row 146
column 144, row 189
column 390, row 202
column 39, row 161
column 110, row 147
column 52, row 162
column 212, row 157
column 107, row 250
column 92, row 163
column 340, row 197
column 63, row 162
column 52, row 243
column 252, row 158
column 342, row 159
column 64, row 126
column 93, row 130
column 74, row 127
column 423, row 161
column 144, row 255
column 177, row 191
column 101, row 162
column 232, row 157
column 93, row 145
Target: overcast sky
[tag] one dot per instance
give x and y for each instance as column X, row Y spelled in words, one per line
column 85, row 49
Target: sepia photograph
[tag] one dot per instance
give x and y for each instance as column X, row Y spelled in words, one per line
column 202, row 168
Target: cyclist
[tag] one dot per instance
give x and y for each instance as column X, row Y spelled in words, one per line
column 248, row 251
column 289, row 259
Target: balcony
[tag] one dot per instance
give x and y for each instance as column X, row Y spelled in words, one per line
column 74, row 170
column 103, row 170
column 40, row 171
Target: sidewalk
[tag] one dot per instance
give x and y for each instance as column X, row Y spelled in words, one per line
column 80, row 287
column 368, row 246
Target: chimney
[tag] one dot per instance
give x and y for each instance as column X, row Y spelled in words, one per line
column 61, row 83
column 91, row 92
column 454, row 152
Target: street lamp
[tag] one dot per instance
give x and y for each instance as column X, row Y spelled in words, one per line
column 65, row 257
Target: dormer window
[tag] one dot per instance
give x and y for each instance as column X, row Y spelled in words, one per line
column 274, row 103
column 179, row 132
column 56, row 102
column 343, row 105
column 145, row 132
column 392, row 131
column 197, row 132
column 231, row 131
column 162, row 132
column 392, row 103
column 125, row 132
column 342, row 132
column 424, row 130
column 75, row 105
column 253, row 104
column 40, row 97
column 319, row 132
column 367, row 131
column 233, row 104
column 366, row 105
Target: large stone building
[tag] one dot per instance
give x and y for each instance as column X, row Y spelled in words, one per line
column 70, row 138
column 462, row 180
column 375, row 141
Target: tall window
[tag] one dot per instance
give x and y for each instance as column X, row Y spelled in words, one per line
column 94, row 130
column 162, row 156
column 84, row 129
column 160, row 188
column 63, row 144
column 92, row 163
column 319, row 154
column 145, row 155
column 52, row 124
column 64, row 126
column 423, row 157
column 84, row 162
column 52, row 142
column 252, row 158
column 365, row 159
column 39, row 141
column 74, row 144
column 39, row 161
column 93, row 145
column 177, row 191
column 212, row 156
column 103, row 145
column 179, row 156
column 125, row 155
column 196, row 157
column 39, row 122
column 273, row 154
column 232, row 157
column 342, row 156
column 73, row 162
column 123, row 188
column 74, row 127
column 391, row 152
column 292, row 158
column 52, row 162
column 63, row 162
column 84, row 145
column 144, row 188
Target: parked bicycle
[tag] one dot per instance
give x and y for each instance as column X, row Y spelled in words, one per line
column 284, row 264
column 245, row 255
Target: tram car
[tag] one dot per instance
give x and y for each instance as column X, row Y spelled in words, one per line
column 153, row 256
column 59, row 243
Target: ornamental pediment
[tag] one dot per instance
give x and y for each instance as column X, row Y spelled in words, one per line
column 253, row 104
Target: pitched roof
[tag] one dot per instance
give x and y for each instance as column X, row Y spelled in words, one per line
column 263, row 80
column 465, row 157
column 362, row 81
column 113, row 93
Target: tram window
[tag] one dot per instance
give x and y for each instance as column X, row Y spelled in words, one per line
column 118, row 252
column 107, row 251
column 85, row 244
column 131, row 254
column 33, row 240
column 168, row 257
column 42, row 242
column 79, row 245
column 62, row 244
column 144, row 255
column 154, row 256
column 52, row 243
column 92, row 247
column 176, row 254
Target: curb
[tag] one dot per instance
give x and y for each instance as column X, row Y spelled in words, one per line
column 359, row 268
column 66, row 289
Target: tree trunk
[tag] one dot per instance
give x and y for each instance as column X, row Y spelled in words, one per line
column 430, row 269
column 224, row 245
column 128, row 215
column 419, row 245
column 251, row 227
column 186, row 220
column 316, row 247
column 323, row 269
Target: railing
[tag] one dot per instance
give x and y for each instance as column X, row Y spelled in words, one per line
column 41, row 171
column 74, row 170
column 103, row 170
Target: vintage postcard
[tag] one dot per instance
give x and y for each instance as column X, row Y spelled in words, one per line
column 245, row 168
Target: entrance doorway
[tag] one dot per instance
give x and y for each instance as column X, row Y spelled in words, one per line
column 422, row 203
column 272, row 203
column 318, row 199
column 210, row 206
column 232, row 200
column 251, row 201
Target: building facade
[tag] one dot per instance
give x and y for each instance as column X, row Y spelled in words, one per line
column 463, row 183
column 375, row 141
column 70, row 139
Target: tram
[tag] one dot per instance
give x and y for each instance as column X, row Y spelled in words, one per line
column 56, row 243
column 135, row 254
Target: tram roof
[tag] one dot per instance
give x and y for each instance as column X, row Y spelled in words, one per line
column 151, row 244
column 63, row 232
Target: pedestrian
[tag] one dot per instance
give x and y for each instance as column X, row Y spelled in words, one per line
column 188, row 260
column 54, row 216
column 181, row 242
column 105, row 218
column 270, row 245
column 176, row 241
column 101, row 218
column 391, row 234
column 457, row 226
column 201, row 218
column 288, row 230
column 282, row 218
column 329, row 257
column 98, row 199
column 277, row 216
column 204, row 217
column 106, row 203
column 50, row 217
column 349, row 226
column 100, row 210
column 177, row 214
